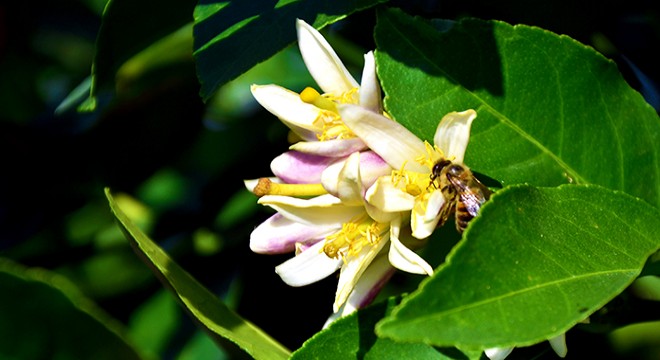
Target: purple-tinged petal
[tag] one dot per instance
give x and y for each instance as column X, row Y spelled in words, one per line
column 368, row 286
column 322, row 62
column 330, row 148
column 279, row 235
column 352, row 270
column 294, row 167
column 387, row 138
column 453, row 134
column 372, row 167
column 308, row 267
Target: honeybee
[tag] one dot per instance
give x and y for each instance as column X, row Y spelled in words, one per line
column 463, row 192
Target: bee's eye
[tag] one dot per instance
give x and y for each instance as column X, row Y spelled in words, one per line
column 455, row 170
column 437, row 168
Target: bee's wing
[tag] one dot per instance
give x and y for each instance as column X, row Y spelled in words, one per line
column 473, row 195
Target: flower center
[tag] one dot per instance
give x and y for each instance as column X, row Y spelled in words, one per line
column 353, row 237
column 328, row 118
column 415, row 183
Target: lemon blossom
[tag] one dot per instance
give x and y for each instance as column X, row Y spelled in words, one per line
column 313, row 116
column 330, row 233
column 409, row 188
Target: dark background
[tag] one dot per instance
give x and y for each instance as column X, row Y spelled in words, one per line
column 185, row 160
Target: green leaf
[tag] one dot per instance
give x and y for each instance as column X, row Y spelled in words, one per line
column 550, row 110
column 214, row 316
column 153, row 325
column 44, row 316
column 353, row 337
column 233, row 36
column 534, row 263
column 127, row 28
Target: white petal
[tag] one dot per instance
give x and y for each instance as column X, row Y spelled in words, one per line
column 370, row 96
column 421, row 222
column 370, row 283
column 380, row 215
column 387, row 138
column 349, row 185
column 294, row 167
column 324, row 210
column 403, row 258
column 558, row 344
column 354, row 267
column 372, row 167
column 278, row 235
column 330, row 148
column 434, row 205
column 287, row 106
column 387, row 197
column 322, row 62
column 453, row 134
column 310, row 266
column 498, row 353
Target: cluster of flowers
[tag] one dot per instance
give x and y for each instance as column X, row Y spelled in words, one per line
column 355, row 193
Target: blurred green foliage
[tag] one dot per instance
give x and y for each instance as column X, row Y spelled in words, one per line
column 177, row 163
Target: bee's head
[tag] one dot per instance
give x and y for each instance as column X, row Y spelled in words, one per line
column 438, row 166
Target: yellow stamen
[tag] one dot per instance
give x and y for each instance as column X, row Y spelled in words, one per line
column 348, row 97
column 311, row 96
column 433, row 153
column 398, row 175
column 267, row 187
column 353, row 237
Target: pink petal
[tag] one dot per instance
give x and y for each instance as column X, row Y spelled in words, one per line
column 279, row 235
column 372, row 167
column 295, row 167
column 331, row 148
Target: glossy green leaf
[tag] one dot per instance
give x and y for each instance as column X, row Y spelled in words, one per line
column 233, row 36
column 211, row 313
column 127, row 28
column 550, row 110
column 353, row 337
column 534, row 263
column 44, row 316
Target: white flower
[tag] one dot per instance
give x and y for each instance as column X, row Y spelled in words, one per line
column 331, row 233
column 312, row 116
column 409, row 188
